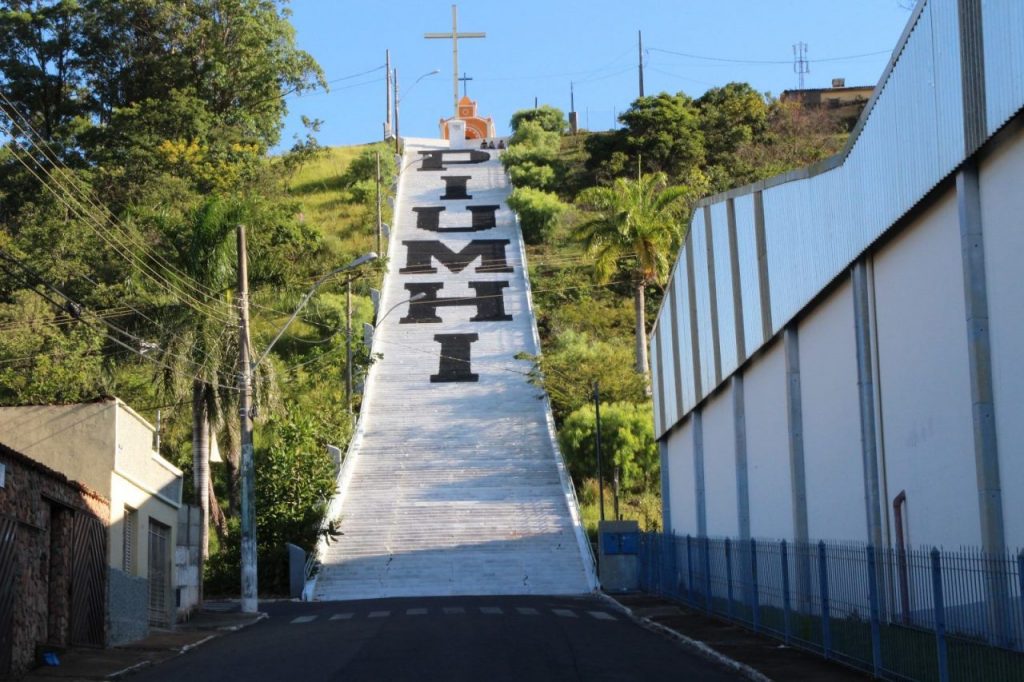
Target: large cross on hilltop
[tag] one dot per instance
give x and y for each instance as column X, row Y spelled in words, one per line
column 454, row 37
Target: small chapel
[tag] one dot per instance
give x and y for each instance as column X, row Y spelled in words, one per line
column 477, row 127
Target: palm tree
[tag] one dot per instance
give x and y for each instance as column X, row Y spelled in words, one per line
column 200, row 345
column 636, row 226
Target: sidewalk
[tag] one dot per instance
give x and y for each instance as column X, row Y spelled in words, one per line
column 758, row 653
column 109, row 664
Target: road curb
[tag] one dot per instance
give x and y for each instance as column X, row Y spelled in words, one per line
column 135, row 667
column 694, row 645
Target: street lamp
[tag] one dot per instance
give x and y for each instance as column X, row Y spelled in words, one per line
column 248, row 559
column 411, row 299
column 415, row 83
column 365, row 258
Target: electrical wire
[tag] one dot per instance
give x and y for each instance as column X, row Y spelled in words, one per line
column 728, row 60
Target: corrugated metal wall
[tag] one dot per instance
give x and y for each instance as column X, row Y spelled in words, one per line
column 910, row 138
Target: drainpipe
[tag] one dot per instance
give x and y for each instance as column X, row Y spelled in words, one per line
column 898, row 504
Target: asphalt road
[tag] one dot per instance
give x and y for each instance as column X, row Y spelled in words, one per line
column 525, row 639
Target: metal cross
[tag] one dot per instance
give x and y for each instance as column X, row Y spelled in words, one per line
column 465, row 80
column 454, row 37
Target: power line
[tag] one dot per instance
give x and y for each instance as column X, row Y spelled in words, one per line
column 79, row 311
column 61, row 193
column 767, row 61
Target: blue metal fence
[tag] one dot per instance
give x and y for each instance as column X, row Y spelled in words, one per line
column 915, row 614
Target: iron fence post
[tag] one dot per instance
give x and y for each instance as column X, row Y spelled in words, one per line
column 689, row 570
column 728, row 576
column 786, row 611
column 707, row 575
column 755, row 605
column 876, row 630
column 940, row 616
column 826, row 624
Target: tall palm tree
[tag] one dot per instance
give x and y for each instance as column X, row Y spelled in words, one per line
column 635, row 226
column 200, row 344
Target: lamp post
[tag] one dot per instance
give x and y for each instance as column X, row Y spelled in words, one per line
column 248, row 478
column 397, row 99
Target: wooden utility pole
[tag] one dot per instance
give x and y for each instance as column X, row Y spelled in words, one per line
column 454, row 37
column 387, row 83
column 248, row 473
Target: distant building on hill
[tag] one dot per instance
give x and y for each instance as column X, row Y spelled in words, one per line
column 477, row 127
column 843, row 103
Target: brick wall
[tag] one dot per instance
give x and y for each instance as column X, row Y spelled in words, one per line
column 42, row 504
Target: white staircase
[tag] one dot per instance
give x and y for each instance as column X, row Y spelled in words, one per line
column 454, row 487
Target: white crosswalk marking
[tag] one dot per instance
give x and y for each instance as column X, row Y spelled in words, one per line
column 601, row 615
column 491, row 610
column 342, row 616
column 379, row 614
column 526, row 611
column 453, row 610
column 416, row 612
column 564, row 613
column 303, row 619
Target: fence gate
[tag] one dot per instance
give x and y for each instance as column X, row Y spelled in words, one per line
column 159, row 573
column 8, row 573
column 88, row 574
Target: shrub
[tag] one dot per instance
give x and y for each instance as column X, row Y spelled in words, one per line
column 547, row 117
column 538, row 212
column 627, row 441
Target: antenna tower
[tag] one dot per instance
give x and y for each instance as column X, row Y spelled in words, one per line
column 800, row 65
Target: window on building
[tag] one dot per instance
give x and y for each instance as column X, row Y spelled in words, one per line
column 131, row 540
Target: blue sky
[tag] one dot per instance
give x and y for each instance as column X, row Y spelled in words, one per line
column 535, row 48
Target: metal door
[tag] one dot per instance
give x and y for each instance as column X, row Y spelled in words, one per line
column 8, row 573
column 159, row 573
column 88, row 581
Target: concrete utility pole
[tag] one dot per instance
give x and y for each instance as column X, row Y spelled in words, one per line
column 348, row 348
column 379, row 216
column 454, row 37
column 248, row 477
column 387, row 83
column 396, row 109
column 640, row 49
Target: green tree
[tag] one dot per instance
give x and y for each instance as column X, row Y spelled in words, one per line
column 627, row 442
column 663, row 132
column 635, row 227
column 549, row 118
column 731, row 116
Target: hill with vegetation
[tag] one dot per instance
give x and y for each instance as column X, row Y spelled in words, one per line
column 122, row 181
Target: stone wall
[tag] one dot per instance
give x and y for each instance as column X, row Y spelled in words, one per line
column 41, row 502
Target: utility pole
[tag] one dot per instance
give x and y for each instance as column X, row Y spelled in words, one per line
column 597, row 446
column 615, row 491
column 396, row 109
column 640, row 49
column 348, row 348
column 379, row 223
column 387, row 106
column 248, row 474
